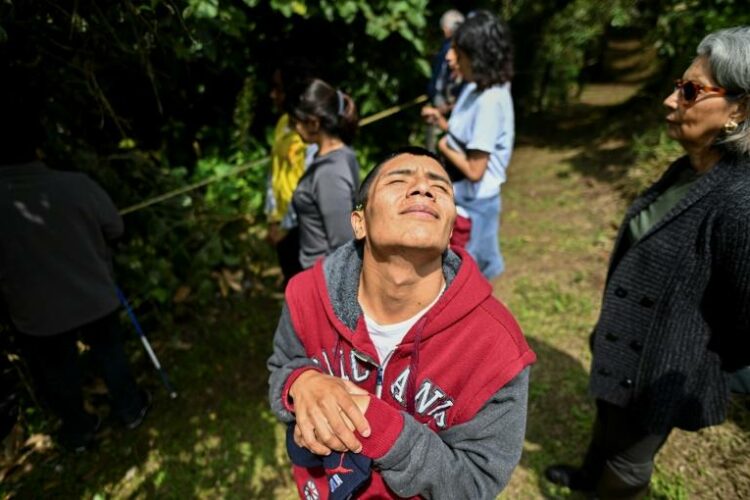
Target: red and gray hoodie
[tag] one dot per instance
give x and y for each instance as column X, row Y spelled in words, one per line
column 451, row 419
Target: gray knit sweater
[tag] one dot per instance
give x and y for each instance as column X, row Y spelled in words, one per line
column 324, row 200
column 675, row 314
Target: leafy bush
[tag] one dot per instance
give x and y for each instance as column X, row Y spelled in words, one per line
column 148, row 96
column 560, row 40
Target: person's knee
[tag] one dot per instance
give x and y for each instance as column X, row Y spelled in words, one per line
column 622, row 479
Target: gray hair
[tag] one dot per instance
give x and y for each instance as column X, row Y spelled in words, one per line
column 728, row 53
column 451, row 20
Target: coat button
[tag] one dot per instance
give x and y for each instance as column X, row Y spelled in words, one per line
column 627, row 383
column 621, row 292
column 647, row 302
column 604, row 372
column 611, row 337
column 636, row 345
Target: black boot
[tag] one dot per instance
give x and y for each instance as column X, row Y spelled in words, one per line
column 573, row 477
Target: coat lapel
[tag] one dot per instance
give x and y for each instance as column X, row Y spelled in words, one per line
column 701, row 188
column 643, row 201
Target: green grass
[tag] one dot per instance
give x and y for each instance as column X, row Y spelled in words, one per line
column 666, row 485
column 217, row 440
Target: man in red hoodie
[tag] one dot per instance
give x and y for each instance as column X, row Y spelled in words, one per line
column 393, row 349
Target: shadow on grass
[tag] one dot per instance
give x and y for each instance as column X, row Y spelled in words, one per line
column 560, row 413
column 602, row 134
column 218, row 439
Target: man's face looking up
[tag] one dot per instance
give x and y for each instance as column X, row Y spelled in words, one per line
column 410, row 206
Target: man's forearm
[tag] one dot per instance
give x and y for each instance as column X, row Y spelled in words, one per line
column 287, row 360
column 470, row 460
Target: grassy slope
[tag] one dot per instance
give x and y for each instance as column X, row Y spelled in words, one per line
column 218, row 440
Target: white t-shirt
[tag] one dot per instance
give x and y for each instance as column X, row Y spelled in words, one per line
column 387, row 337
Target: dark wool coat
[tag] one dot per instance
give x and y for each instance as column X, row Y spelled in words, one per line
column 675, row 314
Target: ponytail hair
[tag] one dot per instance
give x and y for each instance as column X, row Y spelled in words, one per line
column 334, row 109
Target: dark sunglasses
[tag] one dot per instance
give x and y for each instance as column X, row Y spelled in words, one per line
column 690, row 90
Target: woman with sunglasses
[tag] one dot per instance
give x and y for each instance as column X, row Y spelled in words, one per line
column 675, row 316
column 480, row 132
column 324, row 197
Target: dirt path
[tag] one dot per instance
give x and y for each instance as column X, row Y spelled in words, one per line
column 561, row 208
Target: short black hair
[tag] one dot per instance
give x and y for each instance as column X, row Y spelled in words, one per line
column 364, row 188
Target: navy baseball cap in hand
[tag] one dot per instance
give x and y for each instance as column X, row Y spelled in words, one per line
column 347, row 472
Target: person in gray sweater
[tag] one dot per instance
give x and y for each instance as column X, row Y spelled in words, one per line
column 324, row 197
column 675, row 316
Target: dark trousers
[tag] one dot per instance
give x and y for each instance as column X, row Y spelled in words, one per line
column 620, row 458
column 55, row 367
column 287, row 250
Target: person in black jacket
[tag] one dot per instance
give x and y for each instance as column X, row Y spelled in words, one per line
column 56, row 278
column 675, row 316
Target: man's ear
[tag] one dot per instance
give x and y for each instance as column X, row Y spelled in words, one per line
column 358, row 224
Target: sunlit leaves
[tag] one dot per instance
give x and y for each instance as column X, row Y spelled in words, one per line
column 680, row 25
column 201, row 9
column 289, row 8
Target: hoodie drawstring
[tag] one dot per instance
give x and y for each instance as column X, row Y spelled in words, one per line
column 337, row 357
column 411, row 382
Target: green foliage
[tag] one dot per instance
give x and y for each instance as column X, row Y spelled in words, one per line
column 244, row 115
column 679, row 25
column 653, row 152
column 148, row 96
column 198, row 245
column 565, row 40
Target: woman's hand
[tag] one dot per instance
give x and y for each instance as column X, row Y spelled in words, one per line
column 473, row 164
column 433, row 116
column 443, row 145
